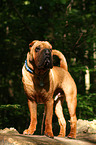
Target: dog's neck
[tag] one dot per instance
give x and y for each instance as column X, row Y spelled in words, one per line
column 39, row 73
column 41, row 77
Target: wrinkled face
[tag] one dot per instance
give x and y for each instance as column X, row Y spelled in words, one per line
column 42, row 54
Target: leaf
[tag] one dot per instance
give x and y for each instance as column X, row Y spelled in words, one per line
column 15, row 106
column 26, row 2
column 63, row 1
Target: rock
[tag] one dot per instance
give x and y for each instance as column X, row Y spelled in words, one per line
column 85, row 136
column 82, row 126
column 9, row 130
column 39, row 140
column 85, row 126
column 92, row 128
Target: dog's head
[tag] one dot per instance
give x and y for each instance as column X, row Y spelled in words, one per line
column 41, row 54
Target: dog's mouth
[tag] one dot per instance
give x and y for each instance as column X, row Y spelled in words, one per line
column 47, row 62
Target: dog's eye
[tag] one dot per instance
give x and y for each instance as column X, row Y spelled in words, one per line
column 37, row 49
column 30, row 45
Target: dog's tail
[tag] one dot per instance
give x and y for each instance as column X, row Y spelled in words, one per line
column 63, row 62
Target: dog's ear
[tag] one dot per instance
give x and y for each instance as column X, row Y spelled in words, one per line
column 31, row 52
column 31, row 44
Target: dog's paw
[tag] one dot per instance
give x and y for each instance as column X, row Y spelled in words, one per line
column 61, row 135
column 49, row 134
column 71, row 136
column 28, row 131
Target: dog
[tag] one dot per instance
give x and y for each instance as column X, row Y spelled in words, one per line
column 41, row 81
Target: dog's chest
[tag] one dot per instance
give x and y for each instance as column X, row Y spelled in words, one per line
column 43, row 94
column 34, row 91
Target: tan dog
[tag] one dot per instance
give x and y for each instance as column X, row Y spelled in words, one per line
column 41, row 81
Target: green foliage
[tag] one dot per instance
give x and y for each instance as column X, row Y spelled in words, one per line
column 9, row 106
column 86, row 106
column 12, row 115
column 70, row 27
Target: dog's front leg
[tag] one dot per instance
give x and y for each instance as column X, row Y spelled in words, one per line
column 33, row 117
column 48, row 120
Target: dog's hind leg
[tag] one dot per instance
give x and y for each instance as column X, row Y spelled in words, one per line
column 72, row 103
column 61, row 119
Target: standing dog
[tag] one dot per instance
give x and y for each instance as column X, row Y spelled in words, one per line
column 41, row 81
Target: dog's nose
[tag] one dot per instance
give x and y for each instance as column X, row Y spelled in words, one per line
column 47, row 52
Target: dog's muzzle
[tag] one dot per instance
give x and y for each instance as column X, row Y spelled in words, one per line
column 45, row 60
column 47, row 57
